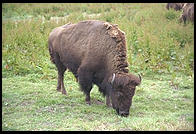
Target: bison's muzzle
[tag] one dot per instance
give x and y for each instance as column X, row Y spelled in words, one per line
column 122, row 113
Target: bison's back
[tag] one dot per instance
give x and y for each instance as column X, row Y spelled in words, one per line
column 86, row 41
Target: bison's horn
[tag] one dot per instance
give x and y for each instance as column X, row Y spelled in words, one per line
column 140, row 78
column 113, row 77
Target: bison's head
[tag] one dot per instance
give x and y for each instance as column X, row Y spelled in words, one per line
column 123, row 90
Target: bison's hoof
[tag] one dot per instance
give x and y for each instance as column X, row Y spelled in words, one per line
column 59, row 90
column 64, row 92
column 88, row 102
column 109, row 105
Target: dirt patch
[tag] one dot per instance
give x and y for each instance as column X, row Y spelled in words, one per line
column 26, row 103
column 102, row 126
column 125, row 129
column 52, row 108
column 140, row 114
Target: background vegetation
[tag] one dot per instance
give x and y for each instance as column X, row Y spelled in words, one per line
column 158, row 47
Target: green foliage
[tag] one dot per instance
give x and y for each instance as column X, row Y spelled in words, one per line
column 156, row 42
column 171, row 14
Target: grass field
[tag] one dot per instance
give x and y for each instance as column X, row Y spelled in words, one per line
column 158, row 47
column 32, row 103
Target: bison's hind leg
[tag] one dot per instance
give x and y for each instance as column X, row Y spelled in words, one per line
column 61, row 70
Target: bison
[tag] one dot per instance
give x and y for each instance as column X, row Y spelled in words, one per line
column 188, row 13
column 95, row 52
column 175, row 6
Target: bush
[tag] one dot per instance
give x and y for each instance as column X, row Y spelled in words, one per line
column 171, row 14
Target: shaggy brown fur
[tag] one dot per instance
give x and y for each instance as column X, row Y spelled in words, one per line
column 95, row 51
column 188, row 13
column 175, row 6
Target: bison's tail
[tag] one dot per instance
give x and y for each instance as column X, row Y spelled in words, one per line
column 51, row 52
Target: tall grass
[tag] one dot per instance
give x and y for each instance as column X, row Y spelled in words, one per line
column 156, row 42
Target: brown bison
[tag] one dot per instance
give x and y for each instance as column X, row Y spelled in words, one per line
column 95, row 52
column 188, row 13
column 175, row 6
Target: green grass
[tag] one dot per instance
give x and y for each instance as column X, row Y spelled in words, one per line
column 158, row 47
column 32, row 103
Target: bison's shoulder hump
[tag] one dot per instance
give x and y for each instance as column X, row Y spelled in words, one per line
column 114, row 31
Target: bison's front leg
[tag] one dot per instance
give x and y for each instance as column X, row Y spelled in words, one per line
column 108, row 102
column 85, row 81
column 88, row 99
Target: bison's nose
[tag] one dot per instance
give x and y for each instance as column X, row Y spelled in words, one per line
column 123, row 113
